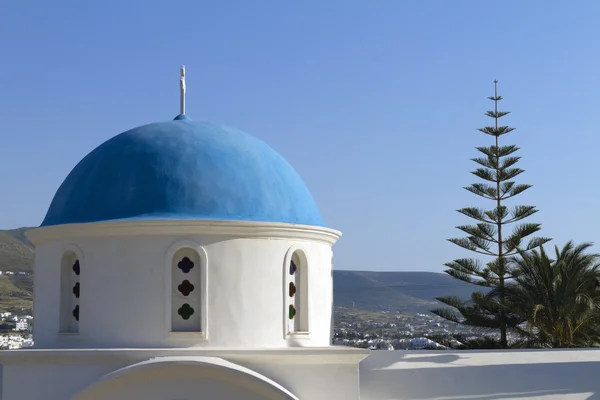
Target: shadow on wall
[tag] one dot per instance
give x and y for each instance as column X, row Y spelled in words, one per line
column 381, row 359
column 386, row 375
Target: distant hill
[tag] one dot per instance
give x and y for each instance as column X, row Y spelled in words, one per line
column 16, row 255
column 407, row 292
column 16, row 251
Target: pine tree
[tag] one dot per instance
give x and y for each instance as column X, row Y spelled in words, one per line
column 490, row 236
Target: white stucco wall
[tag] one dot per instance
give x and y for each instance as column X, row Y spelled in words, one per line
column 304, row 373
column 319, row 373
column 181, row 377
column 450, row 375
column 125, row 270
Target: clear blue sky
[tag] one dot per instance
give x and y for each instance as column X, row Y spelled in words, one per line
column 375, row 103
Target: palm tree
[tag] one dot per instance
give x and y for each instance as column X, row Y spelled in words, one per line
column 558, row 298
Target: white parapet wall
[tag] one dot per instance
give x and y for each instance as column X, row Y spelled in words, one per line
column 493, row 374
column 329, row 373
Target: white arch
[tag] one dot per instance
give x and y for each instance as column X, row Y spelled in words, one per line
column 182, row 244
column 72, row 247
column 203, row 367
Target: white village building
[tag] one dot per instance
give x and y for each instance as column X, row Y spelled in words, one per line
column 187, row 260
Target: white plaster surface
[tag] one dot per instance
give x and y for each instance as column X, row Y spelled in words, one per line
column 307, row 373
column 166, row 374
column 179, row 377
column 515, row 374
column 125, row 292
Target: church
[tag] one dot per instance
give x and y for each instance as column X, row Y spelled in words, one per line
column 185, row 260
column 182, row 260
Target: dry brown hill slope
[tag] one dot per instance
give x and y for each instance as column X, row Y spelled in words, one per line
column 16, row 255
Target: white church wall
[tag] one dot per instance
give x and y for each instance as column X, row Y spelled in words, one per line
column 49, row 379
column 332, row 374
column 315, row 381
column 317, row 374
column 126, row 285
column 184, row 377
column 428, row 375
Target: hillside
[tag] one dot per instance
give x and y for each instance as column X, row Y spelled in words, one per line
column 16, row 252
column 407, row 292
column 16, row 255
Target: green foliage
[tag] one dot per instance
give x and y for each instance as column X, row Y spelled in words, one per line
column 491, row 236
column 557, row 297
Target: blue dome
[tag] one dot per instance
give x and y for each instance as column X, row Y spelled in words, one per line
column 183, row 170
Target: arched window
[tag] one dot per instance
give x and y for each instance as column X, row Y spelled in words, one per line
column 70, row 291
column 186, row 291
column 296, row 294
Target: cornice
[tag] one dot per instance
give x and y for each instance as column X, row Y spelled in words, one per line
column 267, row 230
column 291, row 355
